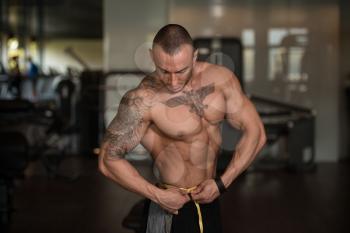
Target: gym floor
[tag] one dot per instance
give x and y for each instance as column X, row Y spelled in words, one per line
column 82, row 200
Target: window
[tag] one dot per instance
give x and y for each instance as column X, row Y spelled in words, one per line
column 248, row 42
column 286, row 51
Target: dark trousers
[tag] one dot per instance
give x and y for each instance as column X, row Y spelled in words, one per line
column 187, row 219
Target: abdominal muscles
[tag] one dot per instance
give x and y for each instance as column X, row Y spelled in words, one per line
column 184, row 163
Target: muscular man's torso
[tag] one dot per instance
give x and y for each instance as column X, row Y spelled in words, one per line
column 184, row 135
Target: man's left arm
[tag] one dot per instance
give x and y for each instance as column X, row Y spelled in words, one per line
column 241, row 114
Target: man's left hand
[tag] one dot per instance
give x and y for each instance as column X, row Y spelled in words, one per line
column 206, row 192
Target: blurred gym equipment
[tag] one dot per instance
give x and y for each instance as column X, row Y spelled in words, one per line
column 34, row 131
column 49, row 123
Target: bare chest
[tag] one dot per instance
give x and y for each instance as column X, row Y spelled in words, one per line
column 190, row 112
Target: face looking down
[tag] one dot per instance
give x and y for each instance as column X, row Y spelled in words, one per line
column 174, row 70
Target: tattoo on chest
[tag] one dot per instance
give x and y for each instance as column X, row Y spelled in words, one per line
column 194, row 99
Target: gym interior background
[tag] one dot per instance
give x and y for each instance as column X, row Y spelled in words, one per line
column 292, row 58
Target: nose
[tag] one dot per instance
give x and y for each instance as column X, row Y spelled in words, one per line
column 173, row 80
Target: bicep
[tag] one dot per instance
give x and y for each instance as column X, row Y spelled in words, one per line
column 245, row 116
column 127, row 128
column 247, row 120
column 240, row 111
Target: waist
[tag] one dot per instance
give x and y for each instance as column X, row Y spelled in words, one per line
column 187, row 189
column 183, row 184
column 184, row 177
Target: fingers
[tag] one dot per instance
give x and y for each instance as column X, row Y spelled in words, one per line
column 185, row 195
column 198, row 189
column 183, row 192
column 202, row 198
column 197, row 196
column 172, row 211
column 205, row 192
column 198, row 193
column 175, row 200
column 177, row 190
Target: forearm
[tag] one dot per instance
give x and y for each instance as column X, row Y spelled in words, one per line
column 123, row 173
column 246, row 150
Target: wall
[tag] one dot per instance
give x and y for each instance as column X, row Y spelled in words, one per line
column 90, row 50
column 128, row 26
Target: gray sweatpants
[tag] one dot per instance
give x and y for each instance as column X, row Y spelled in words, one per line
column 159, row 220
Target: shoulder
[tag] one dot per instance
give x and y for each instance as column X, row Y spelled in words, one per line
column 150, row 84
column 228, row 84
column 143, row 96
column 223, row 78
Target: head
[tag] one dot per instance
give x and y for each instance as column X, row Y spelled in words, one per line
column 174, row 56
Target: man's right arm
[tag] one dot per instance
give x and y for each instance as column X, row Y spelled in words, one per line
column 123, row 134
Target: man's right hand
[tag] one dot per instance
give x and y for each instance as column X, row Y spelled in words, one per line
column 172, row 199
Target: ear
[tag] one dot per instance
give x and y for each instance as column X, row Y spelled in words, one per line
column 195, row 55
column 151, row 54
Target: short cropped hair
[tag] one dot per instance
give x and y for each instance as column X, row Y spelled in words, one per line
column 171, row 37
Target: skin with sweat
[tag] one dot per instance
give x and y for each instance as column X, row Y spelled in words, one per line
column 175, row 113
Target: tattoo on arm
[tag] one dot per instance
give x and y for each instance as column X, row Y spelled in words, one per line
column 127, row 128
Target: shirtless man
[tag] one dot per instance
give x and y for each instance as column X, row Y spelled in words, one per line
column 175, row 113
